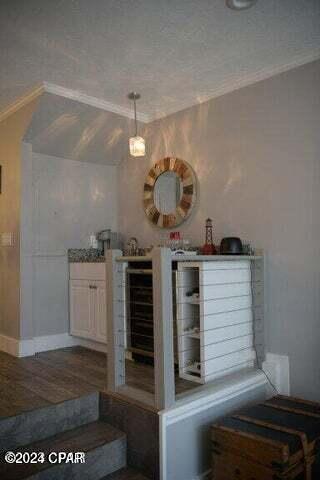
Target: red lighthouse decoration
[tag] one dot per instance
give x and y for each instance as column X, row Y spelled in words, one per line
column 209, row 248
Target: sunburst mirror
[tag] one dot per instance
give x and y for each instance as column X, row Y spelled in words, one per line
column 169, row 192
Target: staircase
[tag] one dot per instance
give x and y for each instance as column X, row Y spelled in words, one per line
column 71, row 426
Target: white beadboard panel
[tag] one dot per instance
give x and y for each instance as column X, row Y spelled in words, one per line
column 225, row 265
column 228, row 371
column 191, row 347
column 226, row 319
column 216, row 277
column 225, row 372
column 88, row 271
column 215, row 365
column 210, row 292
column 218, row 264
column 217, row 330
column 225, row 305
column 226, row 333
column 225, row 347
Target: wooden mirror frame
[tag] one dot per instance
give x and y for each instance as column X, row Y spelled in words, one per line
column 188, row 198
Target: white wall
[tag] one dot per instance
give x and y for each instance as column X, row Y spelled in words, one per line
column 186, row 446
column 256, row 153
column 63, row 202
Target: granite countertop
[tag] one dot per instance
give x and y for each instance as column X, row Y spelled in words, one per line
column 92, row 255
column 81, row 255
column 193, row 258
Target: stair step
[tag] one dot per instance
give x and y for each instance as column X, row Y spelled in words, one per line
column 126, row 474
column 47, row 421
column 104, row 447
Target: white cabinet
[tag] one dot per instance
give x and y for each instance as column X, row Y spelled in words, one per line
column 88, row 301
column 81, row 309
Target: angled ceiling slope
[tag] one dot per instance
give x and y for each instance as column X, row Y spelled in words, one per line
column 66, row 124
column 67, row 128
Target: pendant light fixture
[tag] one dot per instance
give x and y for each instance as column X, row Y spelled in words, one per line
column 137, row 144
column 240, row 4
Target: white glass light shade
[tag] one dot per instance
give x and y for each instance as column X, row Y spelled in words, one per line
column 240, row 4
column 137, row 146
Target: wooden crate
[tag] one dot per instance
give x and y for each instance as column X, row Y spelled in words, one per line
column 278, row 439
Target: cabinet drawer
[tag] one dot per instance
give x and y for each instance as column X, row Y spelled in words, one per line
column 88, row 271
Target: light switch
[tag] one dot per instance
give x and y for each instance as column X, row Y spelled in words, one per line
column 7, row 239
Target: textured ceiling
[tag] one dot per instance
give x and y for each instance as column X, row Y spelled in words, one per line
column 174, row 52
column 69, row 129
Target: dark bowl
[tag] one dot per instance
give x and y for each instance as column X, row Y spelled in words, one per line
column 231, row 246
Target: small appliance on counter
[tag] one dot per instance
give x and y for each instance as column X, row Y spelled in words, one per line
column 231, row 246
column 104, row 238
column 108, row 239
column 132, row 247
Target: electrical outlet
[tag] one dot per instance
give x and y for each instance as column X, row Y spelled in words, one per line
column 7, row 239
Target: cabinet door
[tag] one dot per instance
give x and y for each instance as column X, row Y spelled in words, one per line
column 81, row 309
column 100, row 312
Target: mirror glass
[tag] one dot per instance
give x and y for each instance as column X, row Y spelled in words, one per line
column 167, row 192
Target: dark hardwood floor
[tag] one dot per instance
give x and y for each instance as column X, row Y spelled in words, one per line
column 52, row 377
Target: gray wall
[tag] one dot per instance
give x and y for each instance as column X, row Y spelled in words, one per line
column 63, row 202
column 12, row 129
column 256, row 153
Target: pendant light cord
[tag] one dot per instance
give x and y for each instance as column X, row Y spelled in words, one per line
column 135, row 116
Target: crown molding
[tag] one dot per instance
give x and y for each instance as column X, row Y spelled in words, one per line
column 21, row 102
column 227, row 87
column 235, row 84
column 93, row 101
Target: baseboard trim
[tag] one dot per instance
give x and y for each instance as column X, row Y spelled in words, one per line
column 9, row 345
column 52, row 342
column 44, row 343
column 29, row 347
column 213, row 395
column 92, row 345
